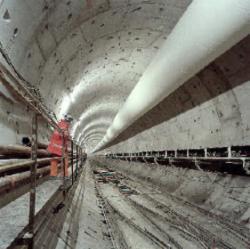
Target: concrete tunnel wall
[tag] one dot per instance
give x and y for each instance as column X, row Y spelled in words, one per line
column 86, row 57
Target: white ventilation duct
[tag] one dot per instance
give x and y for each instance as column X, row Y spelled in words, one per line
column 207, row 29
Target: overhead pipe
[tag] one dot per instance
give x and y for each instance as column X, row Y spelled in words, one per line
column 205, row 31
column 9, row 184
column 13, row 179
column 24, row 165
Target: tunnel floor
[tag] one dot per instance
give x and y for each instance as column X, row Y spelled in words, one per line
column 14, row 216
column 120, row 211
column 139, row 215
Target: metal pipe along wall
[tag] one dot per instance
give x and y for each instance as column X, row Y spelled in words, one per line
column 206, row 30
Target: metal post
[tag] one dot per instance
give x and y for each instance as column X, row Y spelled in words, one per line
column 205, row 152
column 76, row 160
column 64, row 166
column 33, row 170
column 72, row 161
column 81, row 156
column 175, row 153
column 229, row 151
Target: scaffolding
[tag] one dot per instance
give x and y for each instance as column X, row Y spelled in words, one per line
column 18, row 87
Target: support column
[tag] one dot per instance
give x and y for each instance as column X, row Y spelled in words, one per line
column 205, row 152
column 72, row 161
column 229, row 151
column 64, row 167
column 77, row 160
column 81, row 157
column 33, row 170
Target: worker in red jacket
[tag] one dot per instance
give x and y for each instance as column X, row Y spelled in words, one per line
column 59, row 145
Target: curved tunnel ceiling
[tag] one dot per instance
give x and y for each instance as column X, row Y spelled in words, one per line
column 86, row 57
column 98, row 126
column 99, row 122
column 105, row 111
column 90, row 54
column 100, row 131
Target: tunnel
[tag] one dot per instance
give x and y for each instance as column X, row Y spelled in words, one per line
column 124, row 124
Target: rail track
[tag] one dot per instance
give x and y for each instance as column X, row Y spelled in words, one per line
column 144, row 232
column 202, row 232
column 182, row 224
column 159, row 243
column 103, row 206
column 152, row 215
column 236, row 231
column 229, row 236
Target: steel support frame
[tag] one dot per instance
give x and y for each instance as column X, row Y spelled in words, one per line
column 33, row 173
column 77, row 160
column 64, row 165
column 19, row 89
column 72, row 161
column 80, row 154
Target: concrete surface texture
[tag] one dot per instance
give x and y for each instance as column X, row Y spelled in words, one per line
column 214, row 209
column 14, row 216
column 86, row 57
column 92, row 230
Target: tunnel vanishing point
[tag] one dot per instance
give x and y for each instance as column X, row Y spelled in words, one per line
column 124, row 124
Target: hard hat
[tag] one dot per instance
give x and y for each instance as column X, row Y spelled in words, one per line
column 68, row 118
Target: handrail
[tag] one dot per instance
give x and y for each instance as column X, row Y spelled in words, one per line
column 17, row 85
column 5, row 168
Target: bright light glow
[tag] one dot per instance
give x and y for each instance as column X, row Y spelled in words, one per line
column 96, row 111
column 64, row 106
column 70, row 99
column 75, row 126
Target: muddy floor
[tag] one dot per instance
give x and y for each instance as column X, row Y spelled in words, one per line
column 146, row 216
column 121, row 210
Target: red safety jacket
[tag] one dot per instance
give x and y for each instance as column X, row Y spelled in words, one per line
column 56, row 141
